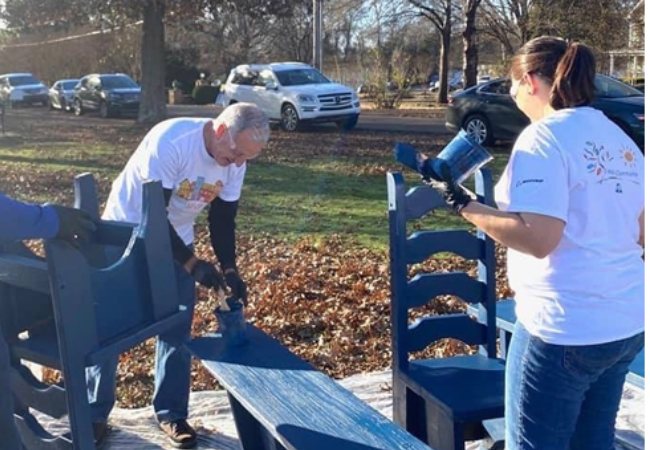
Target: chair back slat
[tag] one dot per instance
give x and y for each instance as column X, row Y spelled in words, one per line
column 454, row 326
column 425, row 287
column 422, row 245
column 420, row 201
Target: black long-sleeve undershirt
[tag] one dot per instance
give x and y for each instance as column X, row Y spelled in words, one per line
column 180, row 251
column 221, row 220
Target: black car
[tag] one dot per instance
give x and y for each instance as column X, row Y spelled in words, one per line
column 110, row 94
column 487, row 112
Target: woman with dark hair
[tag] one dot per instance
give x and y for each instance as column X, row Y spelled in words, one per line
column 571, row 212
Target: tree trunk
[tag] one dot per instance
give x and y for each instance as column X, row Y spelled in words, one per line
column 470, row 57
column 445, row 46
column 153, row 107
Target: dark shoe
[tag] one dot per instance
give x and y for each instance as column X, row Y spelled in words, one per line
column 180, row 433
column 100, row 431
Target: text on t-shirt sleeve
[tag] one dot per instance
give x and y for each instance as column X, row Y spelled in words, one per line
column 539, row 179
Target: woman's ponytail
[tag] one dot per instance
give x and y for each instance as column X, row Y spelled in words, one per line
column 573, row 83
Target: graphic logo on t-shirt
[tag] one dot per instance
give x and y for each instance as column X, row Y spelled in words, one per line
column 605, row 167
column 199, row 190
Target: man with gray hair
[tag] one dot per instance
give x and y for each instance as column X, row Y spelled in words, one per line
column 200, row 162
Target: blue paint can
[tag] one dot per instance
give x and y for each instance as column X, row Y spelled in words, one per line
column 232, row 325
column 464, row 157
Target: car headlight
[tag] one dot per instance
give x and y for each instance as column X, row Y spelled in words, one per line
column 306, row 99
column 44, row 90
column 355, row 96
column 640, row 117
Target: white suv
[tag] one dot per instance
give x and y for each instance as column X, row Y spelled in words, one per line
column 293, row 93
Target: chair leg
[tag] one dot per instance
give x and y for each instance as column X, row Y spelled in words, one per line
column 409, row 410
column 443, row 432
column 79, row 413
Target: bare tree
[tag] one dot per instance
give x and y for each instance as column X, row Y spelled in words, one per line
column 470, row 55
column 441, row 13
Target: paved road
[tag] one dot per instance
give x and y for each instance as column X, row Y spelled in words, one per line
column 369, row 121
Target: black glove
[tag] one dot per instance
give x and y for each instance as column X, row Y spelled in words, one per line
column 207, row 275
column 455, row 195
column 75, row 225
column 237, row 286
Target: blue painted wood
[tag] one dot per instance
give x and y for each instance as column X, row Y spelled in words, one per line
column 39, row 396
column 467, row 388
column 424, row 244
column 455, row 326
column 425, row 287
column 420, row 201
column 435, row 403
column 507, row 318
column 100, row 309
column 302, row 408
column 398, row 271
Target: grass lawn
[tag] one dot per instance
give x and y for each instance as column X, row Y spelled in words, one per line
column 332, row 190
column 324, row 193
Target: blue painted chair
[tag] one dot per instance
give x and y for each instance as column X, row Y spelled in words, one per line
column 442, row 401
column 79, row 307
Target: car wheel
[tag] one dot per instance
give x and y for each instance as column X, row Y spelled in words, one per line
column 78, row 109
column 290, row 121
column 348, row 124
column 478, row 128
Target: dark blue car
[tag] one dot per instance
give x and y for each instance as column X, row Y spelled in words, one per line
column 488, row 113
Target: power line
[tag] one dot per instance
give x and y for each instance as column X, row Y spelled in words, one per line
column 69, row 38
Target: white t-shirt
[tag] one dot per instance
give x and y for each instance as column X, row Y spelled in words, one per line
column 578, row 166
column 174, row 153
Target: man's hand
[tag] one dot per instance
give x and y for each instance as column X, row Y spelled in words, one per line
column 207, row 275
column 455, row 195
column 75, row 225
column 237, row 286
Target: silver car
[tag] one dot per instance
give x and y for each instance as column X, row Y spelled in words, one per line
column 61, row 94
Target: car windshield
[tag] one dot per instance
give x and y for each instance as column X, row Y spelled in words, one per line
column 23, row 80
column 117, row 82
column 298, row 77
column 610, row 88
column 69, row 85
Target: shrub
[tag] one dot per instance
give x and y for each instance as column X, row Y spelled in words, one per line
column 204, row 95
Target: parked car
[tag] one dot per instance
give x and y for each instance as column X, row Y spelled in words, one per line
column 483, row 79
column 293, row 94
column 487, row 112
column 110, row 94
column 22, row 88
column 61, row 94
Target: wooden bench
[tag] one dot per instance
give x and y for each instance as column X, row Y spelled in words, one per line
column 506, row 319
column 442, row 401
column 280, row 402
column 78, row 307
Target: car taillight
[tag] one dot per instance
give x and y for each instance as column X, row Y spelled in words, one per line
column 640, row 117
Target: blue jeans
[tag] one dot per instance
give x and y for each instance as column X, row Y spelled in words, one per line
column 564, row 397
column 173, row 365
column 9, row 437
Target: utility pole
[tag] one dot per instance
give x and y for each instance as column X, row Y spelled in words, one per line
column 318, row 38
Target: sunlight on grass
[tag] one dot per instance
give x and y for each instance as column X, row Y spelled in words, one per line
column 319, row 197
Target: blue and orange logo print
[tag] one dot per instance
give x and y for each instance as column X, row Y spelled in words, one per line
column 604, row 166
column 199, row 190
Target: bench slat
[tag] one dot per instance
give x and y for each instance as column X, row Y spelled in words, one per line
column 301, row 407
